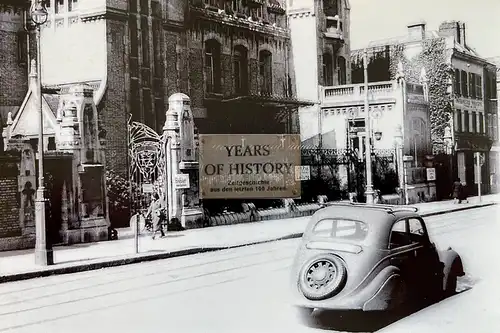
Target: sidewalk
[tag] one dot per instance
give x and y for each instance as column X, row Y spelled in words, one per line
column 20, row 265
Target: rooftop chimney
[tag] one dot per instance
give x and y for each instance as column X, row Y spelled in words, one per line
column 416, row 31
column 455, row 29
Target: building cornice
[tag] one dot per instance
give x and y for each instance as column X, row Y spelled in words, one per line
column 173, row 25
column 300, row 12
column 470, row 57
column 102, row 14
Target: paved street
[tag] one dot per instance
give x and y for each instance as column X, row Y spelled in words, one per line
column 20, row 262
column 237, row 290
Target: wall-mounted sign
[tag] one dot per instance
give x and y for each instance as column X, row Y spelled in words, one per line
column 181, row 181
column 407, row 158
column 147, row 188
column 431, row 174
column 251, row 166
column 302, row 172
column 475, row 105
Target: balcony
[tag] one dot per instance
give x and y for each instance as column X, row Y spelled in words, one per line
column 334, row 29
column 201, row 12
column 354, row 93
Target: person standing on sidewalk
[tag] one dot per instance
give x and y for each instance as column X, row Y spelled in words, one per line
column 457, row 191
column 156, row 210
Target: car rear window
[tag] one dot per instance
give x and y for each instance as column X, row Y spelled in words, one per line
column 341, row 228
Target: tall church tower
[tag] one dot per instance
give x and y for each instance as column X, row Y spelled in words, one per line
column 320, row 33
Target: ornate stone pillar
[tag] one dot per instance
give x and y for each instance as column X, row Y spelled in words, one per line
column 182, row 185
column 170, row 131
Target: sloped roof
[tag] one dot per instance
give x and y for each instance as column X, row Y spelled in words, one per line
column 495, row 61
column 400, row 39
column 53, row 101
column 406, row 39
column 27, row 119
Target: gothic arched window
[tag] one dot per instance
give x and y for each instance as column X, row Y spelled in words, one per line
column 266, row 71
column 240, row 67
column 212, row 66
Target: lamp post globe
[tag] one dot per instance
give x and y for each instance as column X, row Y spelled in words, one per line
column 39, row 13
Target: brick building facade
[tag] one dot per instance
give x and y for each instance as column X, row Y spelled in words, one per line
column 13, row 58
column 232, row 58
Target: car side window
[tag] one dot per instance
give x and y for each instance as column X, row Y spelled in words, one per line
column 399, row 236
column 417, row 231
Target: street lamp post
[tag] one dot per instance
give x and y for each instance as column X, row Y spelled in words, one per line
column 43, row 248
column 398, row 140
column 368, row 151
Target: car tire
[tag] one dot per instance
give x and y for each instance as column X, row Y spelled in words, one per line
column 451, row 286
column 333, row 281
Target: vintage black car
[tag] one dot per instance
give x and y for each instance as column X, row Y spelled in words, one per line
column 371, row 258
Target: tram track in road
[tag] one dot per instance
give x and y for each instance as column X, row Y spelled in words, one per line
column 452, row 222
column 160, row 275
column 177, row 263
column 136, row 294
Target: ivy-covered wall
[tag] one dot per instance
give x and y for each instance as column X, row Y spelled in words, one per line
column 383, row 64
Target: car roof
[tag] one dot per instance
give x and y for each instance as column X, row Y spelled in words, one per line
column 379, row 218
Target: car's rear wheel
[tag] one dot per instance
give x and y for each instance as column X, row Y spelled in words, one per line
column 451, row 285
column 322, row 276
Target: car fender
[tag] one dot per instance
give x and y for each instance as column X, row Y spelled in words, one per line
column 377, row 291
column 451, row 263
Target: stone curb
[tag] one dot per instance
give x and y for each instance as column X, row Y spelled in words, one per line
column 185, row 252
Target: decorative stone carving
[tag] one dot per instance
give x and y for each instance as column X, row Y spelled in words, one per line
column 181, row 155
column 69, row 136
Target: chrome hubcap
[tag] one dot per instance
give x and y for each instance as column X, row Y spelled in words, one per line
column 320, row 274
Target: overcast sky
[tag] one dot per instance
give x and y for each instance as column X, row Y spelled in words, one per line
column 380, row 19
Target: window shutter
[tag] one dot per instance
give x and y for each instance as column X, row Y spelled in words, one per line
column 479, row 87
column 463, row 81
column 457, row 82
column 472, row 85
